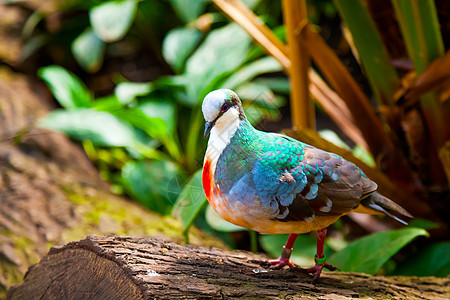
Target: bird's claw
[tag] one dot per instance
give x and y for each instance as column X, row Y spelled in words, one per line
column 281, row 262
column 275, row 263
column 317, row 269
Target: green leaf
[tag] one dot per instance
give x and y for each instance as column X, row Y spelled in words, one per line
column 279, row 85
column 126, row 91
column 419, row 25
column 332, row 137
column 107, row 103
column 259, row 101
column 191, row 202
column 364, row 155
column 304, row 248
column 374, row 57
column 188, row 10
column 223, row 51
column 88, row 51
column 161, row 109
column 420, row 29
column 368, row 254
column 433, row 260
column 164, row 111
column 251, row 3
column 219, row 224
column 67, row 88
column 111, row 20
column 423, row 223
column 155, row 184
column 178, row 44
column 264, row 65
column 100, row 127
column 153, row 127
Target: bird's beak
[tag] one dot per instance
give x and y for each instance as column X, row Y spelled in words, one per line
column 208, row 127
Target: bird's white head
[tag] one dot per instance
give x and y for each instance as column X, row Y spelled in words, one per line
column 221, row 106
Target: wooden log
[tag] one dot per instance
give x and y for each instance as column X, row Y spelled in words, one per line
column 116, row 267
column 50, row 193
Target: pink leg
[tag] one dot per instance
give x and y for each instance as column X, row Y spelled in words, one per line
column 320, row 257
column 285, row 255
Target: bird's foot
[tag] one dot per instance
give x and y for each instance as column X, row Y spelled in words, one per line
column 320, row 264
column 280, row 262
column 275, row 263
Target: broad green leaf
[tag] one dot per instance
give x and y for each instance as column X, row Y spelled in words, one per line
column 178, row 44
column 161, row 109
column 154, row 127
column 251, row 3
column 191, row 200
column 219, row 224
column 304, row 247
column 256, row 93
column 155, row 184
column 419, row 25
column 423, row 223
column 67, row 88
column 126, row 92
column 279, row 85
column 164, row 111
column 332, row 137
column 420, row 28
column 368, row 254
column 374, row 57
column 264, row 65
column 100, row 127
column 188, row 10
column 111, row 20
column 107, row 103
column 259, row 102
column 433, row 260
column 88, row 50
column 364, row 155
column 222, row 52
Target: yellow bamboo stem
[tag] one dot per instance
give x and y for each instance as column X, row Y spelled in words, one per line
column 243, row 16
column 302, row 108
column 330, row 101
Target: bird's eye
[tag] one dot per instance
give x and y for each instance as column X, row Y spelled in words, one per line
column 225, row 107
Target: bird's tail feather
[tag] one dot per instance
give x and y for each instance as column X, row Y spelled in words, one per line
column 380, row 203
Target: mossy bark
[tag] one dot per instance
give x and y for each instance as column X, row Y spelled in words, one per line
column 50, row 193
column 115, row 267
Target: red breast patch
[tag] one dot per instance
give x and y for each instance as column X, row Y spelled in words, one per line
column 207, row 180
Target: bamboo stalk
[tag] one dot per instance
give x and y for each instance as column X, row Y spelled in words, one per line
column 329, row 100
column 342, row 81
column 243, row 16
column 302, row 108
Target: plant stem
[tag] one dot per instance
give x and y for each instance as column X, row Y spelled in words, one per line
column 253, row 241
column 192, row 138
column 185, row 231
column 302, row 108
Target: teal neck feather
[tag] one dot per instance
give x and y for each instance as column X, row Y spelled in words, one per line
column 247, row 145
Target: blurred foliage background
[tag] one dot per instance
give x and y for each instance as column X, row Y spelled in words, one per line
column 129, row 76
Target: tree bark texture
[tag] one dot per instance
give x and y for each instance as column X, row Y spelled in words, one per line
column 50, row 193
column 116, row 267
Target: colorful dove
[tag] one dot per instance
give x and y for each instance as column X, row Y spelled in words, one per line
column 274, row 184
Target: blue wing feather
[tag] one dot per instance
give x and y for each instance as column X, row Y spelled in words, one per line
column 311, row 182
column 293, row 180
